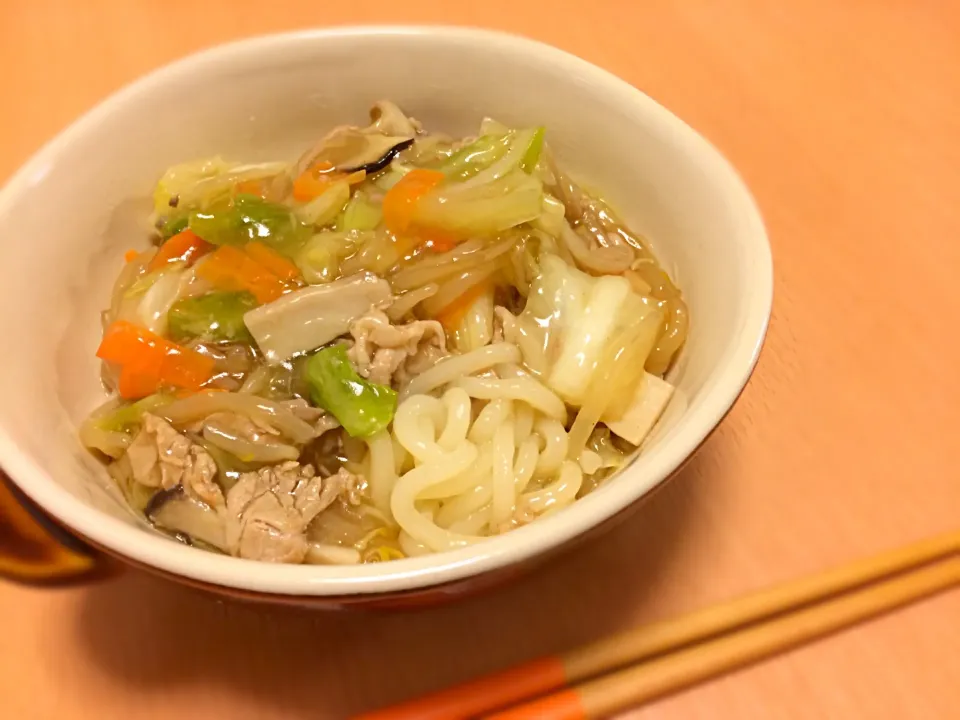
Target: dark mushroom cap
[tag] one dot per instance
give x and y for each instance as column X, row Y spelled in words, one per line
column 177, row 512
column 381, row 162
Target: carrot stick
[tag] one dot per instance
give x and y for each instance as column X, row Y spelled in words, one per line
column 185, row 246
column 249, row 187
column 148, row 362
column 452, row 315
column 231, row 269
column 400, row 202
column 272, row 261
column 314, row 181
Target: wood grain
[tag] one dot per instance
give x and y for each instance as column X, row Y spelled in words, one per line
column 844, row 119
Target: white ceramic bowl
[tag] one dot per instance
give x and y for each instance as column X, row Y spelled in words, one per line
column 69, row 214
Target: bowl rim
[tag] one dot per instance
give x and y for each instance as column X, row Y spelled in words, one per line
column 152, row 549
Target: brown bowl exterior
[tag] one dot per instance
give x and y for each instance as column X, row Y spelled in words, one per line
column 34, row 548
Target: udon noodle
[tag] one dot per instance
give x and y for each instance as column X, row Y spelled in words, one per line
column 491, row 467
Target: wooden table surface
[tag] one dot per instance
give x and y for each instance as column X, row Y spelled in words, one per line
column 844, row 119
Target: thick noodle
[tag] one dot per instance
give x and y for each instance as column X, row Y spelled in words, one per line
column 526, row 463
column 458, row 407
column 383, row 470
column 518, row 447
column 493, row 414
column 555, row 443
column 416, row 425
column 472, row 523
column 558, row 494
column 452, row 368
column 465, row 481
column 403, row 499
column 503, row 498
column 466, row 504
column 530, row 391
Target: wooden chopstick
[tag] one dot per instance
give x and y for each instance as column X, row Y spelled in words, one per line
column 512, row 686
column 648, row 680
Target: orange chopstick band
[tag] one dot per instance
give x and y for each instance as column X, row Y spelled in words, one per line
column 481, row 695
column 564, row 705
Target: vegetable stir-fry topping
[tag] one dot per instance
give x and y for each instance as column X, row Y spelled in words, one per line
column 397, row 343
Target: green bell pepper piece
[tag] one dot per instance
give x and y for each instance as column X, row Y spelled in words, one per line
column 362, row 407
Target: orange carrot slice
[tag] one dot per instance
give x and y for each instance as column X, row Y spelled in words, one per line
column 452, row 315
column 314, row 181
column 400, row 202
column 439, row 241
column 186, row 246
column 250, row 187
column 231, row 269
column 272, row 261
column 148, row 362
